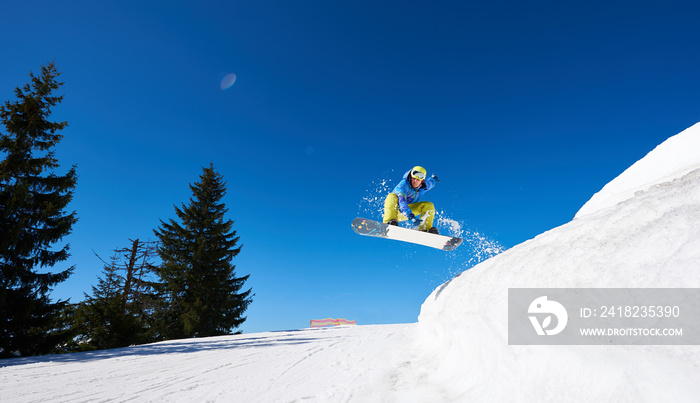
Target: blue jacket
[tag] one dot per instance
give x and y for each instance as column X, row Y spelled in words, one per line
column 408, row 195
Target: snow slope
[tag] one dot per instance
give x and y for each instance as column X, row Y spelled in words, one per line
column 642, row 230
column 327, row 364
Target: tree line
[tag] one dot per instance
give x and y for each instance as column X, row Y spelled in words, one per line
column 181, row 285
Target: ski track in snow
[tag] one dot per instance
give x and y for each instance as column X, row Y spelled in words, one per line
column 311, row 364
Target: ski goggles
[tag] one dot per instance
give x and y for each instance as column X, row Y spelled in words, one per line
column 418, row 175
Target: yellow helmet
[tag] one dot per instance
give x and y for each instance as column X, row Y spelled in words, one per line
column 418, row 172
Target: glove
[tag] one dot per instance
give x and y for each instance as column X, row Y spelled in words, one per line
column 415, row 221
column 435, row 178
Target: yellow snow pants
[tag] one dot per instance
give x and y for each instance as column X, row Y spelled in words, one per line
column 424, row 210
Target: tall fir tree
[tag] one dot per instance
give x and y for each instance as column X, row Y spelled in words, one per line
column 32, row 218
column 202, row 291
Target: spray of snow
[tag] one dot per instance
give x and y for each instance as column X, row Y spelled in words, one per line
column 482, row 247
column 452, row 227
column 372, row 203
column 475, row 249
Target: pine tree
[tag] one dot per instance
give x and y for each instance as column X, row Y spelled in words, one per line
column 202, row 290
column 33, row 200
column 120, row 310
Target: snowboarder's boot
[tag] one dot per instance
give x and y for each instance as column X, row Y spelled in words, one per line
column 433, row 230
column 393, row 222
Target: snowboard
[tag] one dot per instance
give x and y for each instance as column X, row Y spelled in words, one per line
column 364, row 226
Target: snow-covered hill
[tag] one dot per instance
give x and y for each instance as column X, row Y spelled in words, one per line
column 650, row 239
column 641, row 230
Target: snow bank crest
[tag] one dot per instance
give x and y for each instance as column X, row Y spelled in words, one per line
column 672, row 159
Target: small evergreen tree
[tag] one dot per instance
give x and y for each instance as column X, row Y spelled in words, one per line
column 203, row 294
column 33, row 200
column 119, row 313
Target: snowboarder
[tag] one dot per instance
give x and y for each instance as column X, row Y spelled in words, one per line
column 402, row 203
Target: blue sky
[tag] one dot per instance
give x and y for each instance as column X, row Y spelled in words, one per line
column 523, row 109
